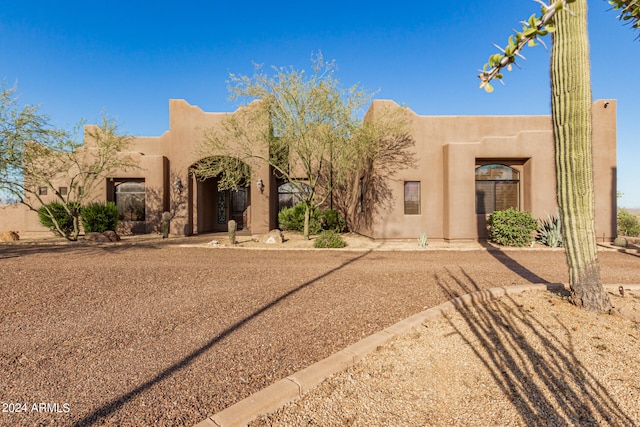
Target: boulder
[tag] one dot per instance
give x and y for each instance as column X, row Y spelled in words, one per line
column 9, row 236
column 96, row 237
column 273, row 237
column 111, row 235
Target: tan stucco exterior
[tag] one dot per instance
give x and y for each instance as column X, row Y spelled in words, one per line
column 449, row 148
column 447, row 151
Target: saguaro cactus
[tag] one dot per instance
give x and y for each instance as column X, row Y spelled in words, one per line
column 571, row 116
column 232, row 231
column 166, row 219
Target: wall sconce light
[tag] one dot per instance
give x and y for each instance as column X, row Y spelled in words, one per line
column 260, row 185
column 177, row 184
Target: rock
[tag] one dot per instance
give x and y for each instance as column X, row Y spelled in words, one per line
column 111, row 235
column 273, row 237
column 9, row 236
column 96, row 237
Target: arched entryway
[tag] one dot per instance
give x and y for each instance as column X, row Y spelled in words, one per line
column 214, row 207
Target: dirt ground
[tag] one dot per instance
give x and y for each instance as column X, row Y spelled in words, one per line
column 168, row 332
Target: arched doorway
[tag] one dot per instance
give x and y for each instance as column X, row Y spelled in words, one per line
column 215, row 207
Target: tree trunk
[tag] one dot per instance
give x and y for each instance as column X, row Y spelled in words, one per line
column 571, row 115
column 307, row 216
column 76, row 229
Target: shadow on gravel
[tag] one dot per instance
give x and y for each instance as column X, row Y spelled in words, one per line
column 20, row 250
column 556, row 390
column 516, row 267
column 628, row 252
column 118, row 402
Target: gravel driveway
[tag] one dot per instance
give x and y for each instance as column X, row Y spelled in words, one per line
column 160, row 334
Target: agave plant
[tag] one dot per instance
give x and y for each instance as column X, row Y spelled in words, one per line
column 550, row 231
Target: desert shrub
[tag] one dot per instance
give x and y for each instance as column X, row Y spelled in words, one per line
column 329, row 239
column 332, row 220
column 100, row 217
column 628, row 224
column 293, row 219
column 511, row 227
column 61, row 216
column 550, row 231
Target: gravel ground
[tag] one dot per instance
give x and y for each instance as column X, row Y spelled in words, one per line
column 529, row 359
column 154, row 333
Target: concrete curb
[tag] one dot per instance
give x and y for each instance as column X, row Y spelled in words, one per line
column 294, row 386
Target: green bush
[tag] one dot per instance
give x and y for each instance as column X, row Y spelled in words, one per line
column 329, row 239
column 61, row 216
column 628, row 224
column 511, row 227
column 293, row 219
column 332, row 220
column 99, row 217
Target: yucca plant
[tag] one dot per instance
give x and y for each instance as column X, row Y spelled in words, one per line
column 550, row 231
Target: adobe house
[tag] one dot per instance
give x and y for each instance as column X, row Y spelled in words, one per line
column 470, row 166
column 465, row 168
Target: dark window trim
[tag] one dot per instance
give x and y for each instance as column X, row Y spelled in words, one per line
column 480, row 208
column 412, row 207
column 130, row 203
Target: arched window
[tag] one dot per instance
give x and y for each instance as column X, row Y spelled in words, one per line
column 289, row 195
column 497, row 188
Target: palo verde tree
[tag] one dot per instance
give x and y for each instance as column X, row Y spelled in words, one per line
column 36, row 158
column 300, row 124
column 571, row 104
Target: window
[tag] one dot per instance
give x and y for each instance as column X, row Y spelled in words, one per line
column 62, row 191
column 289, row 195
column 412, row 198
column 129, row 198
column 497, row 188
column 42, row 191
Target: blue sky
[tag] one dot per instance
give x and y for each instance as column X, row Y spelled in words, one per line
column 127, row 59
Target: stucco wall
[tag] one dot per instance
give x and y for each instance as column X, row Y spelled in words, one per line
column 187, row 131
column 449, row 148
column 22, row 220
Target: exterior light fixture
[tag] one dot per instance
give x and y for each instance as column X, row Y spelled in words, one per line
column 260, row 185
column 177, row 184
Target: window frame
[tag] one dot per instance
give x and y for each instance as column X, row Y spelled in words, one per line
column 141, row 201
column 288, row 190
column 408, row 209
column 514, row 179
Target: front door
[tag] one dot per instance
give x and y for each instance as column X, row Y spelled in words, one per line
column 238, row 205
